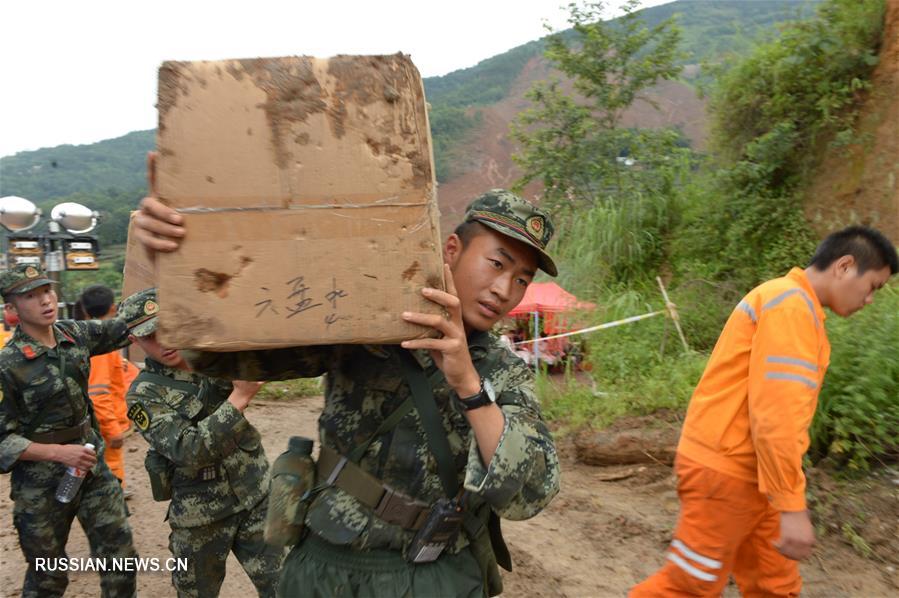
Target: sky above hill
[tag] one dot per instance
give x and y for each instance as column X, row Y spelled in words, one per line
column 80, row 72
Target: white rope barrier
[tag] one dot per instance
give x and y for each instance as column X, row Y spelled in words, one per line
column 595, row 328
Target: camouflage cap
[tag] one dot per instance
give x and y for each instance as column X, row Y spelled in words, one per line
column 507, row 213
column 21, row 279
column 139, row 312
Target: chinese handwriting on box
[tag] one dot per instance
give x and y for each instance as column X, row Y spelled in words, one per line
column 301, row 298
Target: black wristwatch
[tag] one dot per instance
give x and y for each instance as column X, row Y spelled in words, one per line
column 485, row 396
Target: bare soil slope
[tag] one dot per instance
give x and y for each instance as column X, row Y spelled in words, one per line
column 861, row 182
column 490, row 150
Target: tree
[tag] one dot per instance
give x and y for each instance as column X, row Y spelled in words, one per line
column 572, row 141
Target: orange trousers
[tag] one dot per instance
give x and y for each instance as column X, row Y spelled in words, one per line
column 115, row 460
column 726, row 527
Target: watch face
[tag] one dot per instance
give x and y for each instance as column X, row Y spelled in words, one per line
column 488, row 390
column 485, row 397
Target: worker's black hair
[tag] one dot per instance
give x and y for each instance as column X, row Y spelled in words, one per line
column 96, row 300
column 871, row 250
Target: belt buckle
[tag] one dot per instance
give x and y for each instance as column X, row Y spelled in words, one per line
column 395, row 508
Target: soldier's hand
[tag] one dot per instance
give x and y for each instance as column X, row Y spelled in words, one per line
column 450, row 353
column 75, row 455
column 157, row 226
column 243, row 393
column 797, row 535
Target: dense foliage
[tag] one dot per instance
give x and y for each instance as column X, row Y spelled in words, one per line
column 772, row 113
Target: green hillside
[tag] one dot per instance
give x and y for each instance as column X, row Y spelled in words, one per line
column 110, row 175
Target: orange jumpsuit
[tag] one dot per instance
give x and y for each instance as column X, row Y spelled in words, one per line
column 106, row 388
column 739, row 461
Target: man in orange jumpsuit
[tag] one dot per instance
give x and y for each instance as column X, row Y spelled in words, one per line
column 739, row 461
column 106, row 386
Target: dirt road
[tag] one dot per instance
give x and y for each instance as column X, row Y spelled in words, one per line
column 603, row 533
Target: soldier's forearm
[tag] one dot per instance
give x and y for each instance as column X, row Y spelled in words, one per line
column 40, row 452
column 487, row 423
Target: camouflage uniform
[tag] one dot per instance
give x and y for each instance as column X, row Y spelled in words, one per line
column 352, row 551
column 218, row 466
column 33, row 391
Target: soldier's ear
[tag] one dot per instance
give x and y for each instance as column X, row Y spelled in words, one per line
column 452, row 249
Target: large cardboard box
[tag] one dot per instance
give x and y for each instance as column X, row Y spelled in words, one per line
column 307, row 187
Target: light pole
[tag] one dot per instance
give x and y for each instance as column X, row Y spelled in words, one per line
column 65, row 245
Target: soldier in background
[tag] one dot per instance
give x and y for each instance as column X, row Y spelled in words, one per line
column 206, row 457
column 45, row 419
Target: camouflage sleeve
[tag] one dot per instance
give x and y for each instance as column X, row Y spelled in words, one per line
column 102, row 336
column 270, row 364
column 12, row 445
column 163, row 417
column 524, row 474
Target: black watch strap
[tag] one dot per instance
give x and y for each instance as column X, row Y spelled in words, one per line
column 481, row 399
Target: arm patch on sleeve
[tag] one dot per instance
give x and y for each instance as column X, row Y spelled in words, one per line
column 140, row 416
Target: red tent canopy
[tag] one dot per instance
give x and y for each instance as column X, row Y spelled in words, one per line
column 548, row 297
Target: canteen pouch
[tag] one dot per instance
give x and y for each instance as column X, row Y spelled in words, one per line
column 292, row 483
column 160, row 471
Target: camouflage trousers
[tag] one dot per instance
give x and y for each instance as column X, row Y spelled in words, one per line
column 206, row 549
column 316, row 568
column 43, row 524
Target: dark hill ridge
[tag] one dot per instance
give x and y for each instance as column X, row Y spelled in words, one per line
column 470, row 112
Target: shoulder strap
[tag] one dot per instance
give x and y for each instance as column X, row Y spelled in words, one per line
column 389, row 423
column 432, row 422
column 161, row 380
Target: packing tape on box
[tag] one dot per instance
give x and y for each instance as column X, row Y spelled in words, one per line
column 331, row 206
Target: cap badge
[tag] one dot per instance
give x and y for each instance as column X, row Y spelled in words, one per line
column 31, row 272
column 151, row 307
column 535, row 226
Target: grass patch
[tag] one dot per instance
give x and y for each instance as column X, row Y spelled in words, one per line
column 291, row 389
column 636, row 369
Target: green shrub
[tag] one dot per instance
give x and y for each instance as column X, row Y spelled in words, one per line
column 857, row 419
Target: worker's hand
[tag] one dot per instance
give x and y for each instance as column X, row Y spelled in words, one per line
column 157, row 226
column 116, row 441
column 450, row 353
column 797, row 535
column 75, row 455
column 243, row 393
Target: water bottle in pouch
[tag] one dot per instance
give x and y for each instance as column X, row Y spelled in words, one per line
column 293, row 474
column 71, row 482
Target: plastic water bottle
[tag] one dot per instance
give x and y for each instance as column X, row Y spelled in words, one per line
column 71, row 482
column 293, row 473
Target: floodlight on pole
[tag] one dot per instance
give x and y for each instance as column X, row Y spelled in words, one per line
column 74, row 217
column 18, row 214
